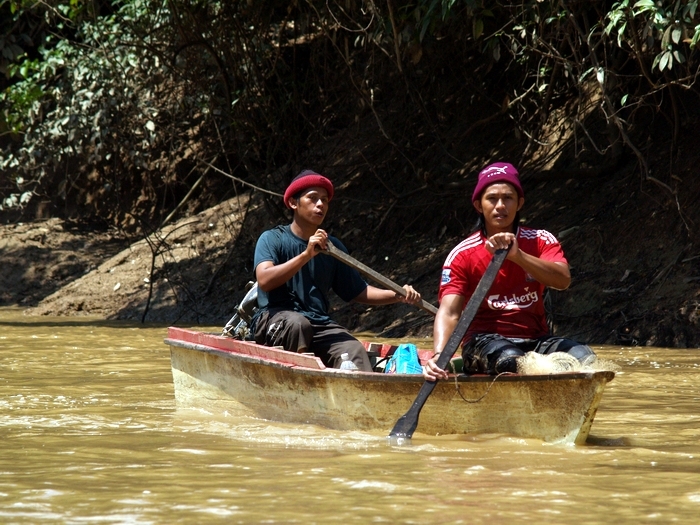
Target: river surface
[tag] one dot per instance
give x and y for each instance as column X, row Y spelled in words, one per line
column 90, row 433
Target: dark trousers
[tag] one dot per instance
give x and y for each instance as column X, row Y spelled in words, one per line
column 493, row 353
column 294, row 332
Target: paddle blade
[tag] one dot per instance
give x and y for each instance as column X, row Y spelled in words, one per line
column 406, row 425
column 398, row 441
column 403, row 429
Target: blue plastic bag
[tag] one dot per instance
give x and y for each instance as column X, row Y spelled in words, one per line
column 404, row 361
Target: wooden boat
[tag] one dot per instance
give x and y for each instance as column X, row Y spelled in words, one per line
column 221, row 373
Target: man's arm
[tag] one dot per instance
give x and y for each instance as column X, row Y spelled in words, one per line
column 446, row 320
column 378, row 296
column 552, row 274
column 270, row 275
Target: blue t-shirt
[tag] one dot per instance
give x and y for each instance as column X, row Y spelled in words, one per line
column 307, row 291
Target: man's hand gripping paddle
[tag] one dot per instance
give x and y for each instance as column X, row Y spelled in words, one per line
column 406, row 425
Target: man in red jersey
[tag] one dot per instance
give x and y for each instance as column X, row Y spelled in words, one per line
column 512, row 320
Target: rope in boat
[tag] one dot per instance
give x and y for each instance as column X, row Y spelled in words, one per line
column 485, row 393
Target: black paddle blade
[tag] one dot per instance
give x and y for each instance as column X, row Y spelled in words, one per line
column 406, row 425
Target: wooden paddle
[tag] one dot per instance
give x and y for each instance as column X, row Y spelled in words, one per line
column 378, row 277
column 406, row 425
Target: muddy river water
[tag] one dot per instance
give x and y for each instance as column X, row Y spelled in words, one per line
column 90, row 433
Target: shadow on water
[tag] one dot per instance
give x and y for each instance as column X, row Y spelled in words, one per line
column 599, row 441
column 16, row 319
column 72, row 322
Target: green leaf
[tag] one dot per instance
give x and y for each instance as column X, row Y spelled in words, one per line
column 478, row 28
column 665, row 39
column 621, row 32
column 623, row 100
column 676, row 35
column 600, row 75
column 696, row 37
column 585, row 74
column 645, row 5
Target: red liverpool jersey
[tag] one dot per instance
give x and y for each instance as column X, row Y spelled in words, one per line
column 514, row 306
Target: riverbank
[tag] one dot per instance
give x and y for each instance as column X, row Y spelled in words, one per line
column 634, row 261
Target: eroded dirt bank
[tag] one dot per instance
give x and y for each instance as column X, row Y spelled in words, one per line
column 635, row 259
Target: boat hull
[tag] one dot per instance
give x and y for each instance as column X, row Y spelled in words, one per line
column 242, row 378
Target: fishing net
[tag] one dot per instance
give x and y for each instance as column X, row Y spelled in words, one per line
column 533, row 363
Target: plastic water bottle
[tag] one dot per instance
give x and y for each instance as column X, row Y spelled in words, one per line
column 347, row 364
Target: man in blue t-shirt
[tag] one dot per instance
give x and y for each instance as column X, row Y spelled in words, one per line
column 294, row 278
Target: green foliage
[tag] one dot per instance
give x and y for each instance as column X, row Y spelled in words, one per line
column 112, row 106
column 112, row 110
column 668, row 29
column 84, row 96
